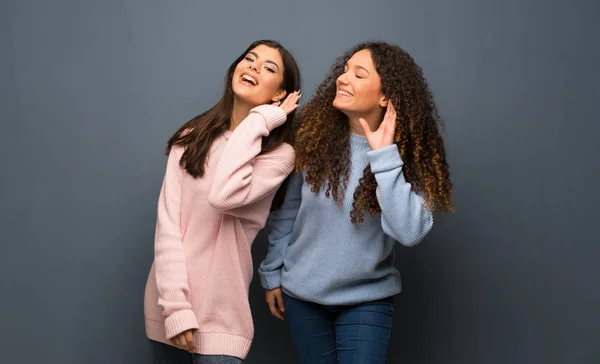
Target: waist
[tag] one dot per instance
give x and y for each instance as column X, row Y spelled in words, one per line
column 348, row 289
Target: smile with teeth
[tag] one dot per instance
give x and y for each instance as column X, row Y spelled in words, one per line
column 344, row 93
column 250, row 79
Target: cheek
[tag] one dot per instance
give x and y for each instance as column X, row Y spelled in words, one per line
column 363, row 92
column 371, row 92
column 367, row 96
column 271, row 84
column 239, row 67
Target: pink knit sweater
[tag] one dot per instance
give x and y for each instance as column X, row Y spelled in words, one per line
column 205, row 228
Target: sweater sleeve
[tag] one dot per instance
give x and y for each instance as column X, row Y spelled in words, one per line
column 281, row 223
column 404, row 216
column 242, row 176
column 169, row 258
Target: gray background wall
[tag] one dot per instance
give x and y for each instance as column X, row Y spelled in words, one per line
column 91, row 90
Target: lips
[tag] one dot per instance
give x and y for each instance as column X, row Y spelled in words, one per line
column 248, row 80
column 344, row 93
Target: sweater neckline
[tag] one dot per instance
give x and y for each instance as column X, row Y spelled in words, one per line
column 358, row 138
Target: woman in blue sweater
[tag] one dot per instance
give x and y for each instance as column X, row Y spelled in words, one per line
column 370, row 171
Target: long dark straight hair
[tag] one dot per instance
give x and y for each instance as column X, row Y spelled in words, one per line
column 198, row 134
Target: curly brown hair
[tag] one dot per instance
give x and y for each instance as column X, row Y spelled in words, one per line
column 322, row 135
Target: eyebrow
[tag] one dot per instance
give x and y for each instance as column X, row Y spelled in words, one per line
column 266, row 61
column 358, row 66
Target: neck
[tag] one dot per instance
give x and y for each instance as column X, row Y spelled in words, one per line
column 373, row 118
column 239, row 113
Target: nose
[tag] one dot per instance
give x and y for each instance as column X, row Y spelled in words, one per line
column 253, row 67
column 342, row 79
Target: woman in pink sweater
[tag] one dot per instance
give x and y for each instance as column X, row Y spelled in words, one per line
column 223, row 177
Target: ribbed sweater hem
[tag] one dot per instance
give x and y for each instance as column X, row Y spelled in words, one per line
column 207, row 343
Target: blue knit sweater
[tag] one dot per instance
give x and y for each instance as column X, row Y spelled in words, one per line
column 316, row 254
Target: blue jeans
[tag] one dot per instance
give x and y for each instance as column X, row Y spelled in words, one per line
column 167, row 354
column 357, row 334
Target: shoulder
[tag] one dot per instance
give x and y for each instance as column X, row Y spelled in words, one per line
column 284, row 151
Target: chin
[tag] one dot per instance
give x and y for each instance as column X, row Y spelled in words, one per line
column 337, row 104
column 340, row 106
column 247, row 99
column 242, row 93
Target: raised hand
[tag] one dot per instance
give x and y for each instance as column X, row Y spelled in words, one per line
column 290, row 103
column 384, row 135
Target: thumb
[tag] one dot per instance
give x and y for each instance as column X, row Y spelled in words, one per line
column 365, row 126
column 276, row 103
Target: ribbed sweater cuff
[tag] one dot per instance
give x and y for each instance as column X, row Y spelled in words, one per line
column 270, row 280
column 274, row 115
column 385, row 159
column 179, row 322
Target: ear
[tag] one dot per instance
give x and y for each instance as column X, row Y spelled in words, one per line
column 280, row 95
column 383, row 100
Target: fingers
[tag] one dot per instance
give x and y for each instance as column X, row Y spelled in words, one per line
column 279, row 298
column 275, row 310
column 387, row 111
column 365, row 126
column 273, row 306
column 388, row 126
column 291, row 102
column 391, row 107
column 184, row 341
column 179, row 341
column 189, row 339
column 292, row 99
column 392, row 121
column 391, row 114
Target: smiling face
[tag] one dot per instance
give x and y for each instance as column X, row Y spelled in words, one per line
column 258, row 77
column 359, row 87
